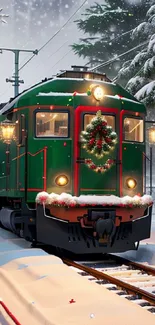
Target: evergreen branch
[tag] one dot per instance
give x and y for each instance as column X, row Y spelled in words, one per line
column 119, row 56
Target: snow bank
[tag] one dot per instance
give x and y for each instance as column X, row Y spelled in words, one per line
column 68, row 200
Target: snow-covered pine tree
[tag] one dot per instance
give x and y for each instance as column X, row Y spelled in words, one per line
column 140, row 72
column 104, row 23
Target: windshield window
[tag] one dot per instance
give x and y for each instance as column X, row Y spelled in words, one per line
column 52, row 124
column 133, row 129
column 109, row 118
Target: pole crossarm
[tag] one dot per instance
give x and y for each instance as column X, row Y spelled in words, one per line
column 19, row 50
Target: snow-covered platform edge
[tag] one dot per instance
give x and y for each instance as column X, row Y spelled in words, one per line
column 67, row 200
column 42, row 290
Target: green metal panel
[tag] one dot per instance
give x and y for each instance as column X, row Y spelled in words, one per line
column 2, row 169
column 13, row 168
column 7, row 181
column 59, row 162
column 132, row 163
column 92, row 182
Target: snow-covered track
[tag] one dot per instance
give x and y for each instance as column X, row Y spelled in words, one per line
column 128, row 279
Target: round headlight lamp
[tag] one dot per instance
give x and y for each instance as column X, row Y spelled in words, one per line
column 131, row 183
column 97, row 92
column 61, row 180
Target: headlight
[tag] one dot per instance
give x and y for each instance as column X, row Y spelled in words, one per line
column 61, row 180
column 97, row 92
column 131, row 183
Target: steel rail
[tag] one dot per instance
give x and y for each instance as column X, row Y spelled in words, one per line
column 150, row 297
column 140, row 266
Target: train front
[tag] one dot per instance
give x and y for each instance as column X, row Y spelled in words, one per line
column 100, row 206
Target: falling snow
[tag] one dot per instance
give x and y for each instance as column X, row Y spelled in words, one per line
column 30, row 24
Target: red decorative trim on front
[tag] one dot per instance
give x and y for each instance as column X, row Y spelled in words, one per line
column 78, row 111
column 45, row 169
column 120, row 153
column 7, row 310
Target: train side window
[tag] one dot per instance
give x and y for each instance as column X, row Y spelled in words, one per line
column 133, row 129
column 53, row 124
column 21, row 130
column 109, row 118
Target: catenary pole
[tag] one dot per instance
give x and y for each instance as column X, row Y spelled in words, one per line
column 15, row 78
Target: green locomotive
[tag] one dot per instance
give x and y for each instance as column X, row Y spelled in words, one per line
column 72, row 165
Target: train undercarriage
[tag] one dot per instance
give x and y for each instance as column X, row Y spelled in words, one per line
column 100, row 230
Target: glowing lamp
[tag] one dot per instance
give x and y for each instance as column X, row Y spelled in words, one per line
column 151, row 134
column 61, row 180
column 97, row 92
column 7, row 131
column 131, row 183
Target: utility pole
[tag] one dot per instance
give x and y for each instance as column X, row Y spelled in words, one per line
column 15, row 78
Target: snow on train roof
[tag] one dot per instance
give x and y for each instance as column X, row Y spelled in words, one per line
column 53, row 93
column 9, row 105
column 85, row 94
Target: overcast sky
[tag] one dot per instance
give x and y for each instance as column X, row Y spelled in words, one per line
column 30, row 24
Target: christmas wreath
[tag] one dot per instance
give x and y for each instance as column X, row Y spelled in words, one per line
column 99, row 138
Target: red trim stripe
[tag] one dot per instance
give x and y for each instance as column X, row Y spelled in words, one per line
column 78, row 111
column 45, row 169
column 121, row 153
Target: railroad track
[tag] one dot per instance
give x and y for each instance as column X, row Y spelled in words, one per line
column 131, row 280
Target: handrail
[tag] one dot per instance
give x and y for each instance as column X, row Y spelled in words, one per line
column 44, row 150
column 150, row 163
column 29, row 153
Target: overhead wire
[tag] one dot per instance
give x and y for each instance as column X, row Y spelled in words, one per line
column 111, row 40
column 118, row 56
column 48, row 58
column 134, row 75
column 55, row 34
column 61, row 59
column 137, row 73
column 51, row 38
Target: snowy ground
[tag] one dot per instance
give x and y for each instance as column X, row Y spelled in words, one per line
column 146, row 251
